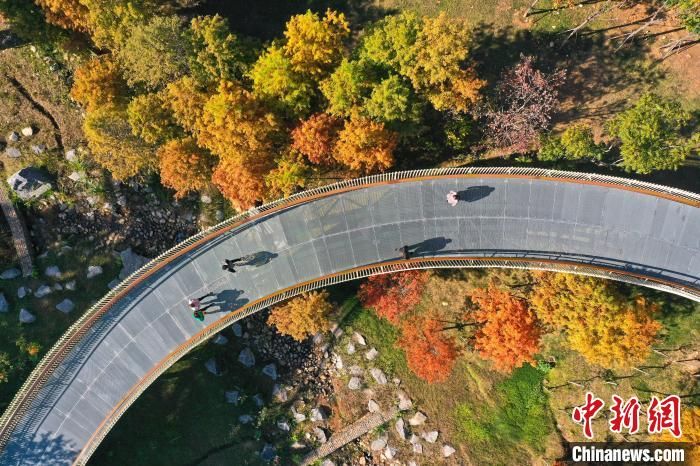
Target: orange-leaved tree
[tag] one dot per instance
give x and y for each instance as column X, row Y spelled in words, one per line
column 242, row 184
column 365, row 145
column 187, row 100
column 430, row 352
column 601, row 323
column 68, row 14
column 509, row 334
column 315, row 137
column 302, row 316
column 391, row 295
column 98, row 82
column 315, row 45
column 184, row 166
column 690, row 425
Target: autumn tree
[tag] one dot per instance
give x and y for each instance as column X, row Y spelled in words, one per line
column 392, row 295
column 314, row 45
column 68, row 14
column 430, row 352
column 98, row 82
column 525, row 101
column 509, row 332
column 242, row 184
column 651, row 135
column 690, row 423
column 151, row 118
column 348, row 87
column 275, row 78
column 316, row 136
column 156, row 52
column 289, row 176
column 302, row 316
column 391, row 41
column 113, row 146
column 575, row 143
column 186, row 100
column 365, row 145
column 234, row 124
column 392, row 101
column 112, row 22
column 184, row 166
column 603, row 325
column 217, row 54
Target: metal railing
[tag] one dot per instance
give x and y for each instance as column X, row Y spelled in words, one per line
column 24, row 397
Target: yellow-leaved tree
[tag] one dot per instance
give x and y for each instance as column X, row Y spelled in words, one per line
column 314, row 45
column 302, row 316
column 365, row 145
column 98, row 82
column 68, row 14
column 187, row 99
column 603, row 325
column 151, row 118
column 184, row 166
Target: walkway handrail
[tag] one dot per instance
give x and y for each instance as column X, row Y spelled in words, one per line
column 24, row 397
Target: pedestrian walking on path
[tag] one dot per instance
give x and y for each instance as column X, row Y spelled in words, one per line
column 405, row 253
column 453, row 198
column 199, row 315
column 229, row 263
column 196, row 303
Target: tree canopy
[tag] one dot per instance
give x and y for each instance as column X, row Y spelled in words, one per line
column 392, row 295
column 430, row 352
column 365, row 145
column 302, row 316
column 184, row 166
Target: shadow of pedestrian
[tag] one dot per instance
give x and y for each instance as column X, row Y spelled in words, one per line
column 429, row 245
column 475, row 193
column 259, row 258
column 224, row 301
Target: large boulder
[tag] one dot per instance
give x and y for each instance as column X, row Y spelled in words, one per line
column 447, row 451
column 271, row 371
column 418, row 419
column 65, row 306
column 93, row 271
column 379, row 443
column 232, row 396
column 246, row 357
column 29, row 183
column 131, row 262
column 219, row 339
column 42, row 291
column 52, row 271
column 26, row 317
column 378, row 375
column 4, row 305
column 355, row 383
column 268, row 452
column 10, row 274
column 212, row 366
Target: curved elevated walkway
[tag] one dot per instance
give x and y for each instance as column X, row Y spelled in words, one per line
column 590, row 224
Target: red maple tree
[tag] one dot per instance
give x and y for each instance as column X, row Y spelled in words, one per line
column 391, row 295
column 510, row 333
column 430, row 352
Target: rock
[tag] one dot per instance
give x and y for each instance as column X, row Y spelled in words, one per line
column 93, row 271
column 378, row 443
column 212, row 366
column 57, row 287
column 38, row 148
column 298, row 417
column 271, row 371
column 418, row 419
column 65, row 306
column 75, row 176
column 417, row 448
column 372, row 406
column 354, row 383
column 338, row 361
column 297, row 446
column 378, row 375
column 23, row 291
column 320, row 435
column 245, row 418
column 316, row 415
column 232, row 396
column 30, row 183
column 447, row 451
column 337, row 332
column 205, row 199
column 219, row 215
column 26, row 317
column 219, row 339
column 13, row 136
column 279, row 393
column 71, row 156
column 396, row 381
column 71, row 285
column 237, row 330
column 283, row 426
column 328, row 463
column 405, row 402
column 52, row 271
column 359, row 339
column 42, row 291
column 356, row 370
column 430, row 437
column 350, row 349
column 27, row 131
column 400, row 428
column 13, row 152
column 389, row 452
column 10, row 274
column 246, row 357
column 259, row 402
column 371, row 354
column 268, row 453
column 131, row 262
column 4, row 305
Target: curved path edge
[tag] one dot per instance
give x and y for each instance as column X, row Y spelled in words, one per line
column 68, row 341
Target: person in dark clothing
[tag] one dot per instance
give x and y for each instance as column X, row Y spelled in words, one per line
column 405, row 253
column 229, row 263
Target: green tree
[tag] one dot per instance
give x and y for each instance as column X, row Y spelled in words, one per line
column 274, row 78
column 156, row 53
column 111, row 22
column 650, row 135
column 347, row 87
column 152, row 119
column 578, row 143
column 390, row 42
column 6, row 367
column 218, row 55
column 392, row 101
column 290, row 175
